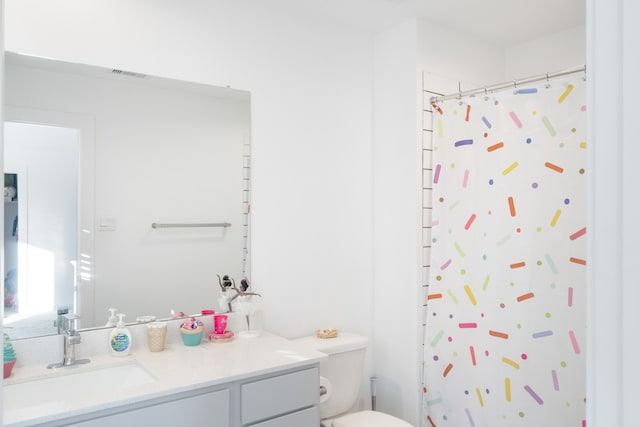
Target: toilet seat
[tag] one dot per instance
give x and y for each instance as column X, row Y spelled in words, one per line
column 368, row 419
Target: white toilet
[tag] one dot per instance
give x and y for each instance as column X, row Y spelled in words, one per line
column 340, row 379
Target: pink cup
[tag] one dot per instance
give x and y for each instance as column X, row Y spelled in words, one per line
column 219, row 323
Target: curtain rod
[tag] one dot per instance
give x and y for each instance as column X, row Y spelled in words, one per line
column 514, row 84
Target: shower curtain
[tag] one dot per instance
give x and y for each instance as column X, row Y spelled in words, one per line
column 505, row 318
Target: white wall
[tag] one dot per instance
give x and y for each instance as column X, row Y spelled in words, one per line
column 451, row 62
column 555, row 52
column 310, row 85
column 448, row 57
column 396, row 231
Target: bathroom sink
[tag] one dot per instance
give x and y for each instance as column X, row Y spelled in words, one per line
column 73, row 385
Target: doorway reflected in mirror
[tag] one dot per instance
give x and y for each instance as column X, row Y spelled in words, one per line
column 40, row 223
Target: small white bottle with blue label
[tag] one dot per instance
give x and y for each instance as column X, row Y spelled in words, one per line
column 120, row 338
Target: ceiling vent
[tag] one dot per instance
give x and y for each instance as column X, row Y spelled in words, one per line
column 128, row 73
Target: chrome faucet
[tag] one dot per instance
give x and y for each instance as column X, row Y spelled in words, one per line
column 60, row 322
column 71, row 338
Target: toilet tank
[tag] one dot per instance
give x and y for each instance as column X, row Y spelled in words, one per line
column 341, row 373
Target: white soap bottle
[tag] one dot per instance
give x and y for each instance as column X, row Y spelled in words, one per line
column 113, row 320
column 120, row 338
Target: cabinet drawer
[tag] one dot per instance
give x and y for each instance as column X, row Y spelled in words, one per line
column 305, row 418
column 206, row 409
column 279, row 395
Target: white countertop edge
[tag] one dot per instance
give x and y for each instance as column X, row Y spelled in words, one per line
column 267, row 354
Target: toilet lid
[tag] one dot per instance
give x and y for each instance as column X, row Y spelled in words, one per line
column 369, row 419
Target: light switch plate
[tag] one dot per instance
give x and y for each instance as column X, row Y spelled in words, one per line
column 107, row 223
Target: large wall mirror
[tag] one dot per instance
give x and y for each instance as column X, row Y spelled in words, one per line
column 122, row 191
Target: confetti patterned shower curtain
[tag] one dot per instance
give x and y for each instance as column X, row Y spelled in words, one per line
column 505, row 317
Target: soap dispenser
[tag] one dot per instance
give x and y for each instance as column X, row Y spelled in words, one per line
column 120, row 338
column 113, row 320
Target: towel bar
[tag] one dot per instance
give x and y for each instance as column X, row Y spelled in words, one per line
column 212, row 224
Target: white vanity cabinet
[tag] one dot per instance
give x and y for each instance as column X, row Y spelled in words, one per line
column 264, row 381
column 288, row 398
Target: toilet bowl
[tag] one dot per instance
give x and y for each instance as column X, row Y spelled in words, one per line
column 340, row 380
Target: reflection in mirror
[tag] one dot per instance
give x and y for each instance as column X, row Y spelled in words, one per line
column 40, row 244
column 138, row 150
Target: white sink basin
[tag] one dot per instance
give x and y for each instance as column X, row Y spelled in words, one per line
column 75, row 384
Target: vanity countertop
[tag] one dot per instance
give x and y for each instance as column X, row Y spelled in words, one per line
column 177, row 369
